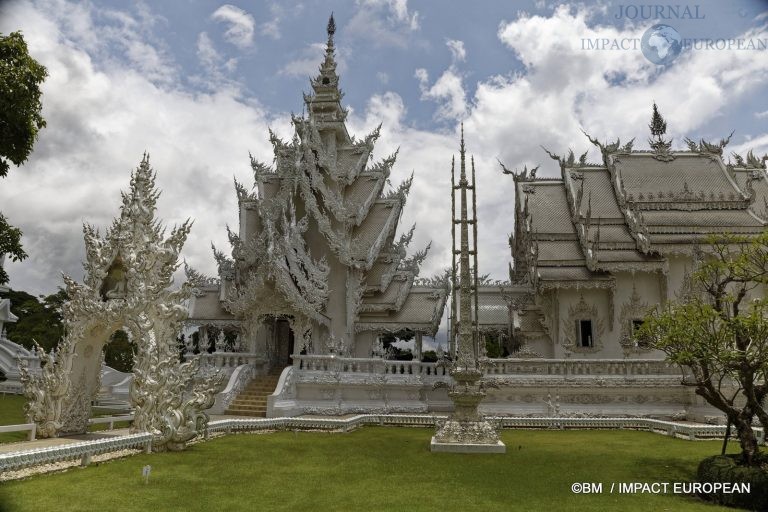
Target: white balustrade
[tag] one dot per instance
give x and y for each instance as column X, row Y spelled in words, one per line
column 535, row 367
column 377, row 366
column 230, row 359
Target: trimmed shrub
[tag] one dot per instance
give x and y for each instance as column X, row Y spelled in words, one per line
column 726, row 468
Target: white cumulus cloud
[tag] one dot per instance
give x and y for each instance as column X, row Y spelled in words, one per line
column 241, row 25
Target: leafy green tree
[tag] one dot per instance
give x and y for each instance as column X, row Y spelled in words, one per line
column 429, row 356
column 39, row 319
column 718, row 333
column 387, row 340
column 119, row 352
column 10, row 245
column 20, row 121
column 493, row 346
column 20, row 105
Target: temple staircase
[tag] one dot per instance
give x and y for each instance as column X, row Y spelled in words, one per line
column 252, row 401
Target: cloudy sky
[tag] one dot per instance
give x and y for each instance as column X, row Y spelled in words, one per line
column 197, row 84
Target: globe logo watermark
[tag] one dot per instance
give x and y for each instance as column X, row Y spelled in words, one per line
column 661, row 44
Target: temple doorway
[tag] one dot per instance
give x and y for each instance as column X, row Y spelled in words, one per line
column 284, row 342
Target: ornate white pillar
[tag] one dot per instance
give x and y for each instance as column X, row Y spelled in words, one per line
column 417, row 354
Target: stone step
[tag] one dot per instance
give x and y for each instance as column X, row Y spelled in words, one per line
column 247, row 412
column 247, row 401
column 252, row 401
column 243, row 408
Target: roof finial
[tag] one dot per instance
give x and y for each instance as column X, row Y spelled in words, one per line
column 331, row 26
column 462, row 152
column 329, row 50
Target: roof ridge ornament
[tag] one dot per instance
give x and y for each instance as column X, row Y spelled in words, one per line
column 661, row 147
column 524, row 175
column 705, row 147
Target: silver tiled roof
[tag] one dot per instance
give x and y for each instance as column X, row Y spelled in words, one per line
column 548, row 206
column 642, row 174
column 208, row 307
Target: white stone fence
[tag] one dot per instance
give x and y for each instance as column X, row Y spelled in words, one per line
column 32, row 427
column 111, row 420
column 578, row 367
column 333, row 363
column 230, row 360
column 22, row 427
column 85, row 450
column 520, row 366
column 689, row 431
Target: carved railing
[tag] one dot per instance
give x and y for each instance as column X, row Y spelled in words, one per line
column 239, row 379
column 330, row 363
column 231, row 360
column 582, row 367
column 627, row 368
column 83, row 450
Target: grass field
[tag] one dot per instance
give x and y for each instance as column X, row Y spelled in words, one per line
column 12, row 413
column 377, row 468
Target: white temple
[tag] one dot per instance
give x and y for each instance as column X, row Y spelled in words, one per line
column 317, row 265
column 317, row 273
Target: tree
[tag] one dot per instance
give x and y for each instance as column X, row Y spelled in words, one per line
column 20, row 121
column 718, row 333
column 39, row 319
column 389, row 339
column 119, row 352
column 20, row 106
column 10, row 245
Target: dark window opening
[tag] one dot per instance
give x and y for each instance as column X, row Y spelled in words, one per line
column 636, row 325
column 585, row 333
column 326, row 81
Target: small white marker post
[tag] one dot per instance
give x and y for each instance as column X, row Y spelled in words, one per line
column 145, row 473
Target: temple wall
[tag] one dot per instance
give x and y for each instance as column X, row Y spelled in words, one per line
column 388, row 387
column 542, row 346
column 678, row 266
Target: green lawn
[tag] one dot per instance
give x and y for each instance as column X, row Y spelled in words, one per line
column 376, row 468
column 12, row 413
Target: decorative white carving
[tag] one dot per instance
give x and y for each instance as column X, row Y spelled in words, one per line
column 633, row 310
column 582, row 311
column 127, row 285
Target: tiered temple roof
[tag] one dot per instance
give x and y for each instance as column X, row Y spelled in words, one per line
column 631, row 211
column 317, row 240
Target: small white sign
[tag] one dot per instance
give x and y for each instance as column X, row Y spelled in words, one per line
column 145, row 473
